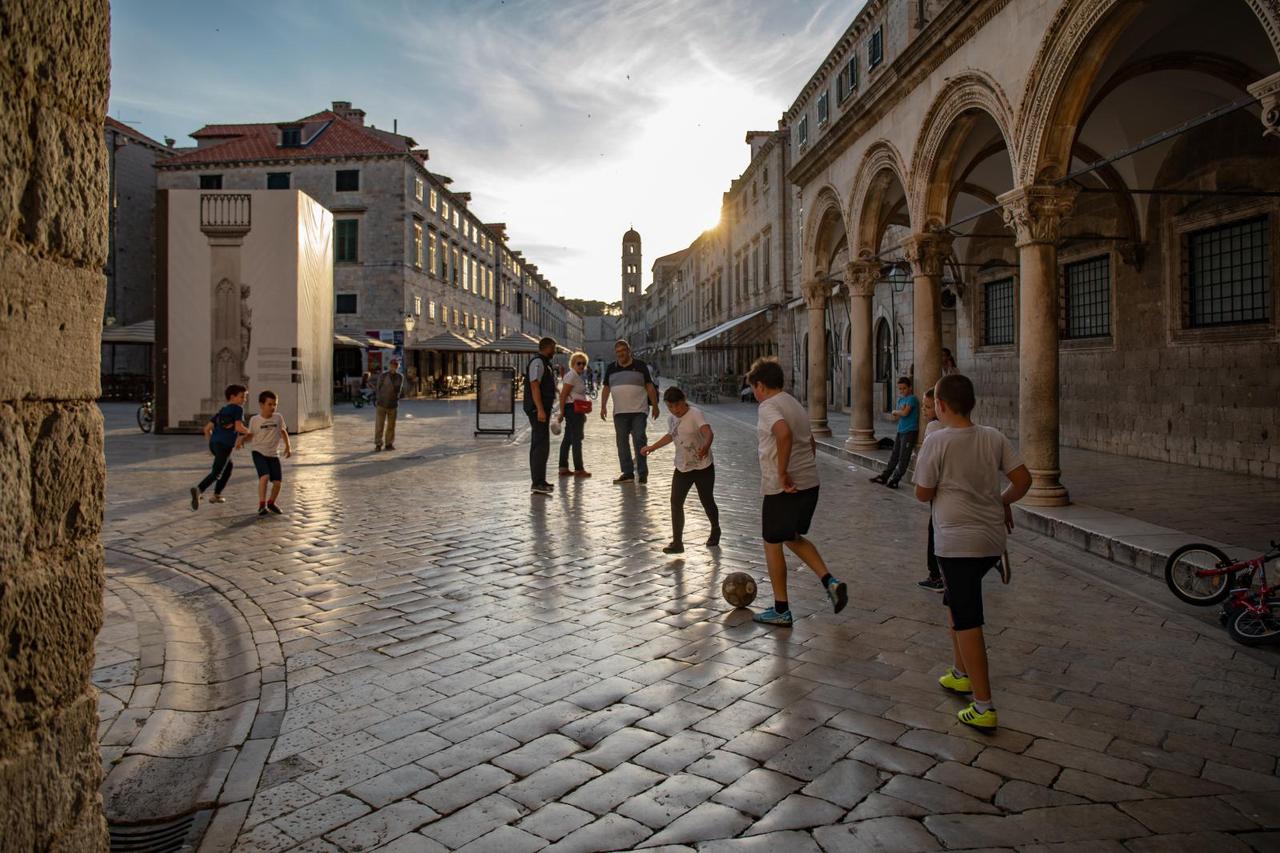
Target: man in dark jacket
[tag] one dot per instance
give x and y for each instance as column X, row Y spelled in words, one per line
column 539, row 403
column 386, row 397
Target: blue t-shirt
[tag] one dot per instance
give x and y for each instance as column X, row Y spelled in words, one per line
column 910, row 423
column 224, row 424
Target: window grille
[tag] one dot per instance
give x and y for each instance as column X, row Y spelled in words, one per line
column 997, row 321
column 1229, row 274
column 347, row 180
column 1087, row 298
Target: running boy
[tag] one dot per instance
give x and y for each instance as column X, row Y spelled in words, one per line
column 221, row 432
column 692, row 436
column 907, row 413
column 789, row 483
column 933, row 583
column 959, row 470
column 266, row 433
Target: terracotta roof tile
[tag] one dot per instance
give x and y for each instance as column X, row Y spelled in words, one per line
column 337, row 137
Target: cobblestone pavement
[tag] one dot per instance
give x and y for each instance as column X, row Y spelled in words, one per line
column 471, row 667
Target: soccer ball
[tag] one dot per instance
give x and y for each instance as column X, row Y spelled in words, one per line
column 739, row 589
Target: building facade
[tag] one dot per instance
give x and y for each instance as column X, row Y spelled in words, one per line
column 1077, row 198
column 411, row 259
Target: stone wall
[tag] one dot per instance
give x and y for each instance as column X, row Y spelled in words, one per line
column 53, row 212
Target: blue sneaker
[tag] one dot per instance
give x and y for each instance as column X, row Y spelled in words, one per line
column 838, row 593
column 773, row 617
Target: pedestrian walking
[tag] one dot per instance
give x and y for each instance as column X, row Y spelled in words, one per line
column 222, row 432
column 789, row 483
column 694, row 468
column 630, row 384
column 574, row 407
column 961, row 472
column 266, row 437
column 539, row 406
column 387, row 394
column 906, row 411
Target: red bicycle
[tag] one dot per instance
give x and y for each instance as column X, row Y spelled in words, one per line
column 1201, row 574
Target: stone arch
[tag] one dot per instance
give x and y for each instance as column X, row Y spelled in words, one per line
column 938, row 143
column 825, row 229
column 1071, row 55
column 879, row 167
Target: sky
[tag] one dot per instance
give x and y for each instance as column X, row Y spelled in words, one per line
column 570, row 120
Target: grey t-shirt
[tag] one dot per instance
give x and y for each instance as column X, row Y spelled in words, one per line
column 802, row 466
column 967, row 466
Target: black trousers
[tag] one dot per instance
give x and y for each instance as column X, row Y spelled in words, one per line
column 900, row 458
column 574, row 427
column 539, row 447
column 221, row 469
column 704, row 481
column 935, row 574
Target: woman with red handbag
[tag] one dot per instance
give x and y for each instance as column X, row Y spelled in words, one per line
column 574, row 407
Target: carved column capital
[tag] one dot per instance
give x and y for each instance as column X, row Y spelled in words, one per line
column 927, row 252
column 860, row 277
column 816, row 291
column 1267, row 91
column 1035, row 214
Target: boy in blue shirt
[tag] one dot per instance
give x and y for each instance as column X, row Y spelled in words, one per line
column 907, row 413
column 222, row 430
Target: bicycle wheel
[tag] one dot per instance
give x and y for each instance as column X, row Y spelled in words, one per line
column 1180, row 573
column 1249, row 628
column 145, row 418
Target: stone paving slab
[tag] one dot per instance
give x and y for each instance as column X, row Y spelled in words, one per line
column 447, row 662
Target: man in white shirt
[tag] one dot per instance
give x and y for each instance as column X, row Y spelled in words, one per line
column 789, row 483
column 692, row 436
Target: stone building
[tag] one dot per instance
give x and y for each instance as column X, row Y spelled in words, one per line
column 53, row 250
column 411, row 259
column 1075, row 197
column 131, row 262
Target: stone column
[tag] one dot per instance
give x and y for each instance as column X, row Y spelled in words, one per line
column 860, row 278
column 53, row 247
column 927, row 252
column 1267, row 91
column 1036, row 214
column 815, row 299
column 225, row 219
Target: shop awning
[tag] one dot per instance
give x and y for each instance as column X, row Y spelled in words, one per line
column 135, row 333
column 516, row 342
column 361, row 341
column 446, row 341
column 692, row 344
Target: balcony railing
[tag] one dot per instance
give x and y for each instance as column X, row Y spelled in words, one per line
column 229, row 211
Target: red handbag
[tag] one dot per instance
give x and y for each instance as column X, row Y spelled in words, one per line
column 582, row 407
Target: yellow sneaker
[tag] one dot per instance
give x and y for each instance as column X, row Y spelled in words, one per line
column 970, row 716
column 955, row 683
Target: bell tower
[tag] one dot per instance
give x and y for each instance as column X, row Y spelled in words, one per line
column 630, row 271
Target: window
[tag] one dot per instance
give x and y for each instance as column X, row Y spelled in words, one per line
column 347, row 180
column 824, row 107
column 346, row 241
column 291, row 137
column 444, row 211
column 346, row 303
column 431, row 310
column 997, row 321
column 453, row 272
column 875, row 48
column 455, row 219
column 1086, row 299
column 210, row 182
column 765, row 261
column 1228, row 271
column 431, row 250
column 417, row 247
column 848, row 79
column 277, row 180
column 803, row 130
column 435, row 199
column 418, row 187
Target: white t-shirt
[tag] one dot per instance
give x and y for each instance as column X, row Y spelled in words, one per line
column 965, row 466
column 573, row 379
column 802, row 466
column 932, row 427
column 686, row 435
column 267, row 434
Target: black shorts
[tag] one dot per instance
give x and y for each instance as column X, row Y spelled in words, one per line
column 962, row 577
column 785, row 517
column 267, row 466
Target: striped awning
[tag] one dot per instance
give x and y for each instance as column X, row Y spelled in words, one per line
column 135, row 333
column 361, row 341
